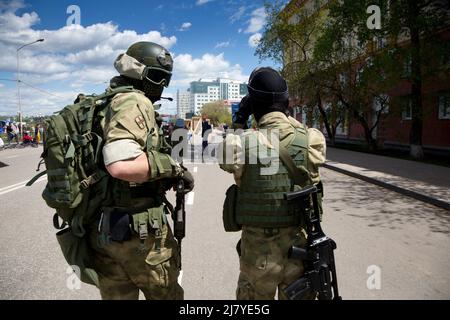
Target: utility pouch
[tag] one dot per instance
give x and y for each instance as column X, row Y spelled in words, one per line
column 78, row 255
column 229, row 210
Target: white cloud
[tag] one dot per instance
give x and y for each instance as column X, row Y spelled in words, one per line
column 34, row 102
column 257, row 20
column 1, row 85
column 239, row 30
column 254, row 40
column 78, row 57
column 10, row 21
column 185, row 26
column 12, row 5
column 187, row 69
column 202, row 2
column 222, row 44
column 238, row 14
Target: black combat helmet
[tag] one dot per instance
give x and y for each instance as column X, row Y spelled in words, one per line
column 157, row 59
column 146, row 66
column 267, row 91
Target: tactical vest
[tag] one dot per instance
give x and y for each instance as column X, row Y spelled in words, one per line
column 260, row 199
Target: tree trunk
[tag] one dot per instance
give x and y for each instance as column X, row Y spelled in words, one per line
column 415, row 135
column 326, row 123
column 371, row 142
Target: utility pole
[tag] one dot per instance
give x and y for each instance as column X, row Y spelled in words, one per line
column 18, row 84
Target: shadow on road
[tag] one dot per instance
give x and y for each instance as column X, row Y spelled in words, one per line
column 381, row 207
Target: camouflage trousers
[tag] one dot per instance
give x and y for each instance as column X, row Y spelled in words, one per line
column 126, row 267
column 264, row 262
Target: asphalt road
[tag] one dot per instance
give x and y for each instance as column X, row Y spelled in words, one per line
column 378, row 233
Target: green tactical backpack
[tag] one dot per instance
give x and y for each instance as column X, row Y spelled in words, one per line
column 77, row 182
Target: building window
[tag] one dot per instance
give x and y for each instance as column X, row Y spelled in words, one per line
column 444, row 106
column 380, row 42
column 406, row 72
column 343, row 79
column 381, row 102
column 407, row 110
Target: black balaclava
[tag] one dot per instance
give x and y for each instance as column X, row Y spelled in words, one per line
column 268, row 92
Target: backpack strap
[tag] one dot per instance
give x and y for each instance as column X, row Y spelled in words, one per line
column 299, row 175
column 112, row 92
column 34, row 179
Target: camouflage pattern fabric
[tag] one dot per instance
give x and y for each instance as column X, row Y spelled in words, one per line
column 127, row 267
column 130, row 117
column 264, row 262
column 264, row 265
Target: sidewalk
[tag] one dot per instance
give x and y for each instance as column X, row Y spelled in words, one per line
column 424, row 182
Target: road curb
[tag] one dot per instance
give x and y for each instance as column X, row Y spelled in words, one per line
column 403, row 191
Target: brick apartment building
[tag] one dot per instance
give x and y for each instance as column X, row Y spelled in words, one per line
column 394, row 127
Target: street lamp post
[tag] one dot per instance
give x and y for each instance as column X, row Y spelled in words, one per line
column 18, row 84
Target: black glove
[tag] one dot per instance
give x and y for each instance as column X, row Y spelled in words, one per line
column 188, row 179
column 243, row 113
column 158, row 119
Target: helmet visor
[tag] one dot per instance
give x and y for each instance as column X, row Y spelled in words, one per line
column 158, row 76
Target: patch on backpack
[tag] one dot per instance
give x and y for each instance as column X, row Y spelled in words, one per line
column 140, row 122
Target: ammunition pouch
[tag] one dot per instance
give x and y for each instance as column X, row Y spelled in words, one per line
column 229, row 210
column 162, row 165
column 78, row 253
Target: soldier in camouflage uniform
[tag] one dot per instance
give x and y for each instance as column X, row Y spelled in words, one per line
column 269, row 225
column 133, row 244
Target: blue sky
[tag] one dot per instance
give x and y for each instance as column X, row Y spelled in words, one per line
column 207, row 38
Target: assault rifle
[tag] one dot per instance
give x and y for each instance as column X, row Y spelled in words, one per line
column 318, row 257
column 179, row 215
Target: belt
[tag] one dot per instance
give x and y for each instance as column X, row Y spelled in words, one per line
column 138, row 205
column 140, row 192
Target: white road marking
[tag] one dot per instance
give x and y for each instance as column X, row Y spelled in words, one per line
column 190, row 199
column 18, row 186
column 11, row 157
column 180, row 277
column 13, row 185
column 195, row 169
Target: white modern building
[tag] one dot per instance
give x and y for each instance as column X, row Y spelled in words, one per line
column 209, row 90
column 183, row 103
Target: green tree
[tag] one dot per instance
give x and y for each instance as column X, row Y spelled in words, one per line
column 332, row 54
column 217, row 112
column 290, row 39
column 407, row 41
column 357, row 66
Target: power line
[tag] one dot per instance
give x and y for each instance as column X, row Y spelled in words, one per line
column 41, row 90
column 33, row 87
